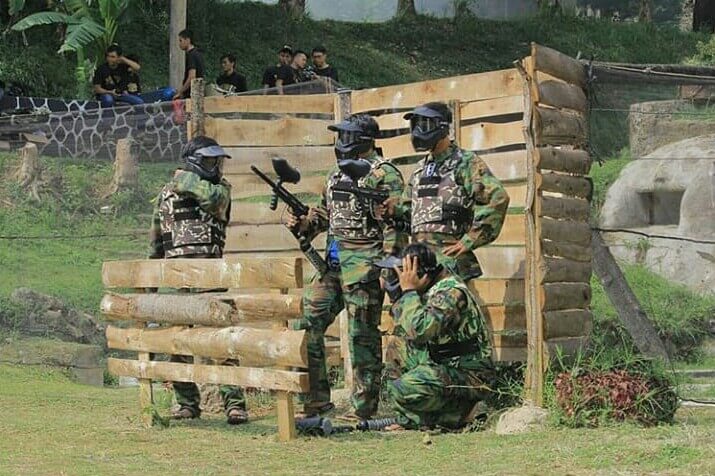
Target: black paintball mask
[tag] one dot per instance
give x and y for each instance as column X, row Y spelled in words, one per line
column 204, row 157
column 426, row 266
column 428, row 125
column 356, row 135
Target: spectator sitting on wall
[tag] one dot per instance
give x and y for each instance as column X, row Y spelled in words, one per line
column 110, row 79
column 134, row 86
column 230, row 80
column 194, row 65
column 293, row 73
column 320, row 64
column 285, row 56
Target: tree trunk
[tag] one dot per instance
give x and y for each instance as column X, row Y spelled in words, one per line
column 645, row 15
column 704, row 16
column 176, row 56
column 126, row 168
column 30, row 173
column 294, row 8
column 406, row 8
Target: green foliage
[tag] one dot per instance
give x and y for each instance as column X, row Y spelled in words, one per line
column 603, row 176
column 15, row 6
column 705, row 53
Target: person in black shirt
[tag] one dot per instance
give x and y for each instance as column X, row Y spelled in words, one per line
column 320, row 64
column 230, row 80
column 194, row 66
column 285, row 56
column 134, row 86
column 291, row 74
column 110, row 79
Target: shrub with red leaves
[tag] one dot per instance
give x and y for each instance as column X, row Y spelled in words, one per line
column 592, row 397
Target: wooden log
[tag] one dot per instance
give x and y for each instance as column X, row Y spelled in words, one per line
column 286, row 416
column 509, row 354
column 307, row 159
column 305, row 104
column 559, row 127
column 566, row 250
column 562, row 160
column 126, row 168
column 263, row 307
column 558, row 296
column 280, row 132
column 146, row 391
column 229, row 272
column 568, row 323
column 575, row 232
column 565, row 349
column 470, row 87
column 30, row 173
column 168, row 309
column 565, row 208
column 257, row 347
column 558, row 64
column 562, row 95
column 565, row 270
column 268, row 379
column 629, row 310
column 580, row 187
column 198, row 117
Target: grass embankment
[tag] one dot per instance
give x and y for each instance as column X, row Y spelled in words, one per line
column 63, row 428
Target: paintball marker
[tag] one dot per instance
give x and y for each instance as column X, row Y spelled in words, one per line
column 286, row 173
column 319, row 426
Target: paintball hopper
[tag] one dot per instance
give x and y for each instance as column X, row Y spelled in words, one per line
column 354, row 168
column 285, row 172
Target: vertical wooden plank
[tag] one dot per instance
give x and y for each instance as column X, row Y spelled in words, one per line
column 456, row 131
column 146, row 395
column 345, row 350
column 343, row 104
column 197, row 107
column 286, row 416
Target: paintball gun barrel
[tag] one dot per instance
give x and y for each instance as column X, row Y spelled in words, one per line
column 286, row 173
column 319, row 426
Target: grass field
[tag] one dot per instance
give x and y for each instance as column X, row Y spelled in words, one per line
column 58, row 427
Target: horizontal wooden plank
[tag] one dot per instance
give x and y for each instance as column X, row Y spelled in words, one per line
column 279, row 132
column 562, row 160
column 558, row 296
column 509, row 165
column 509, row 354
column 567, row 323
column 503, row 262
column 562, row 95
column 470, row 87
column 498, row 291
column 575, row 232
column 306, row 104
column 565, row 208
column 251, row 306
column 573, row 186
column 566, row 250
column 250, row 346
column 250, row 185
column 559, row 127
column 174, row 309
column 558, row 64
column 250, row 377
column 555, row 270
column 304, row 158
column 469, row 111
column 479, row 136
column 229, row 272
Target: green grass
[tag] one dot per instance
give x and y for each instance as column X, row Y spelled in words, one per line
column 603, row 175
column 58, row 427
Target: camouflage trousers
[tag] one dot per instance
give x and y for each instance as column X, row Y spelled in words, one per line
column 435, row 395
column 188, row 395
column 322, row 301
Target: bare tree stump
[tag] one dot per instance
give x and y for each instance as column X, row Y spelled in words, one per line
column 30, row 173
column 126, row 168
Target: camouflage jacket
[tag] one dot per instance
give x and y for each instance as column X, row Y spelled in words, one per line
column 446, row 314
column 358, row 249
column 454, row 197
column 190, row 217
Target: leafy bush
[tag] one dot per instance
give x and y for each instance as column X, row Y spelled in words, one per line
column 705, row 55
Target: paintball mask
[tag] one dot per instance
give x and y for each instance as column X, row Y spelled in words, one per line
column 426, row 262
column 203, row 156
column 356, row 135
column 429, row 124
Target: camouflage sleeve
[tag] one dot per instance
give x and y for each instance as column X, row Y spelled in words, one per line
column 394, row 240
column 491, row 204
column 320, row 222
column 156, row 245
column 423, row 323
column 213, row 198
column 403, row 210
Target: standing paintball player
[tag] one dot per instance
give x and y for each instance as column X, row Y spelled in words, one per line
column 356, row 240
column 189, row 221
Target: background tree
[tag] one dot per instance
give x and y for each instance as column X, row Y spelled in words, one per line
column 294, row 8
column 645, row 13
column 406, row 8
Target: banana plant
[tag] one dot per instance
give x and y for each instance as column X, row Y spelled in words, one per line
column 90, row 27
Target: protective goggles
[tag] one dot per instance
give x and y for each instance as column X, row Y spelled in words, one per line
column 426, row 124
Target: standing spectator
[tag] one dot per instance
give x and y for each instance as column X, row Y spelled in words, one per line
column 230, row 80
column 194, row 66
column 293, row 73
column 110, row 79
column 134, row 86
column 320, row 63
column 285, row 56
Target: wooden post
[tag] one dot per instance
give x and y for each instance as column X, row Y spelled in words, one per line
column 176, row 55
column 456, row 132
column 197, row 108
column 126, row 168
column 284, row 403
column 345, row 350
column 343, row 104
column 30, row 171
column 146, row 395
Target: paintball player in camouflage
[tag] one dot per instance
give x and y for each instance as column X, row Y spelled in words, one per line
column 189, row 221
column 452, row 200
column 447, row 364
column 356, row 240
